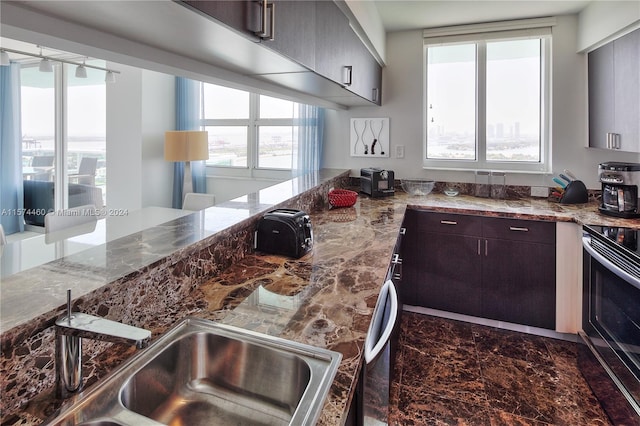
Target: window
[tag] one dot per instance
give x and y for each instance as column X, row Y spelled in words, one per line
column 55, row 101
column 486, row 104
column 248, row 131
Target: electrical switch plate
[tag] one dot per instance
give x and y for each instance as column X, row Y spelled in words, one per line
column 400, row 151
column 539, row 191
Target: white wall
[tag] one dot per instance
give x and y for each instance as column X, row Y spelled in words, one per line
column 124, row 135
column 402, row 102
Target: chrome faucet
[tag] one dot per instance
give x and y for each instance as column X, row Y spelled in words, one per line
column 71, row 329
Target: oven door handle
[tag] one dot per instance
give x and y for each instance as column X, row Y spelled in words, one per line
column 373, row 349
column 586, row 243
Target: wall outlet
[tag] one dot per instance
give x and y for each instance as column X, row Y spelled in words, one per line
column 400, row 151
column 539, row 191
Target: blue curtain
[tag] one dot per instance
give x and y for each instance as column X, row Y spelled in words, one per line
column 11, row 191
column 188, row 118
column 310, row 139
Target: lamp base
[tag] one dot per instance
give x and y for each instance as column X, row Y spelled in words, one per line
column 187, row 185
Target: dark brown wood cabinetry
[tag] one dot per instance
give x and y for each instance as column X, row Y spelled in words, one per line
column 314, row 34
column 502, row 269
column 614, row 90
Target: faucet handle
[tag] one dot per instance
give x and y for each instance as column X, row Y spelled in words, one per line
column 88, row 326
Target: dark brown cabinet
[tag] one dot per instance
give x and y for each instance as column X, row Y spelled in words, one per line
column 314, row 34
column 614, row 90
column 342, row 57
column 495, row 268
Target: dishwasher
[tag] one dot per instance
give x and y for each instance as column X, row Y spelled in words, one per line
column 379, row 353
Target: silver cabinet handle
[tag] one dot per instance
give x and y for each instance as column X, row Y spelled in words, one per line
column 486, row 247
column 448, row 222
column 268, row 21
column 347, row 75
column 613, row 141
column 518, row 229
column 374, row 95
column 403, row 231
column 478, row 247
column 396, row 259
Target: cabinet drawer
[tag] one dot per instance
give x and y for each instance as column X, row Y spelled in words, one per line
column 447, row 223
column 519, row 230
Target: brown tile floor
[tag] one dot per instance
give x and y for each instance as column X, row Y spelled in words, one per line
column 456, row 373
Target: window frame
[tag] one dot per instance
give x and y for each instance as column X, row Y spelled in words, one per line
column 481, row 163
column 253, row 124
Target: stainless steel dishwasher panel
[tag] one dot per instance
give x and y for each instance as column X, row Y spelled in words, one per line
column 379, row 354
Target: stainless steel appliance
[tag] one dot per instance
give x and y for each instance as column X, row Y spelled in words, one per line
column 377, row 182
column 620, row 184
column 609, row 356
column 379, row 353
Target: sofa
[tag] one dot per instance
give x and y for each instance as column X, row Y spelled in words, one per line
column 39, row 199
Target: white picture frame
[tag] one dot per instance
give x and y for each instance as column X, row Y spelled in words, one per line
column 369, row 137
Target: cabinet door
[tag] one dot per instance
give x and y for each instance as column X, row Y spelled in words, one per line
column 519, row 283
column 450, row 276
column 626, row 52
column 366, row 73
column 295, row 31
column 601, row 89
column 332, row 35
column 241, row 16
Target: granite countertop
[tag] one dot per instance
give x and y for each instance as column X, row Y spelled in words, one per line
column 325, row 298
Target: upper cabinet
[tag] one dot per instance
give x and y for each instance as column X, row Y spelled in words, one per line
column 614, row 94
column 342, row 57
column 314, row 34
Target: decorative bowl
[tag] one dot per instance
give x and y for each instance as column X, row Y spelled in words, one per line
column 417, row 186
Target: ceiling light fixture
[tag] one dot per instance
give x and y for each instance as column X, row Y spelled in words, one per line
column 4, row 58
column 81, row 71
column 46, row 64
column 110, row 77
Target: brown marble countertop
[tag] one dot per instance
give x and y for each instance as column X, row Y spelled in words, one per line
column 326, row 297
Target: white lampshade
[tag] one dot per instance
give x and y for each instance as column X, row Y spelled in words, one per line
column 45, row 65
column 186, row 145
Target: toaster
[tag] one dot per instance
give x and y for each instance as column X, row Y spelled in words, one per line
column 286, row 232
column 376, row 182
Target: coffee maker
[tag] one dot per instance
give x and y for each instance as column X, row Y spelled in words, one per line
column 620, row 184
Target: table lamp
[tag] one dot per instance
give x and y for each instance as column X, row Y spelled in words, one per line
column 187, row 146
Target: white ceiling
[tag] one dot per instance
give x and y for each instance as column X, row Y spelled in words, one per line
column 398, row 15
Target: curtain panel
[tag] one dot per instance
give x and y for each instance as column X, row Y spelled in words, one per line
column 310, row 139
column 11, row 190
column 188, row 118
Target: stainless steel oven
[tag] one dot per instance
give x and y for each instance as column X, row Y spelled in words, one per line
column 609, row 357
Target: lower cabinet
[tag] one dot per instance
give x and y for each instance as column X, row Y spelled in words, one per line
column 496, row 268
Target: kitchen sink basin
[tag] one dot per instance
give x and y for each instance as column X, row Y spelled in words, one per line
column 204, row 373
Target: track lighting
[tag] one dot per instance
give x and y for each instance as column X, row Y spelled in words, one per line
column 81, row 71
column 46, row 64
column 110, row 77
column 4, row 58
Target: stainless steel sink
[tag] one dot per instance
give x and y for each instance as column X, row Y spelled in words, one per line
column 201, row 372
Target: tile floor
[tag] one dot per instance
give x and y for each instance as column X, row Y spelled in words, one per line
column 455, row 373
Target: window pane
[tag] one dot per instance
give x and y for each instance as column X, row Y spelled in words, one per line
column 38, row 119
column 225, row 103
column 276, row 146
column 227, row 146
column 451, row 95
column 276, row 108
column 86, row 130
column 513, row 100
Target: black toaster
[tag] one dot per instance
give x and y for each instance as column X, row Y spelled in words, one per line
column 284, row 231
